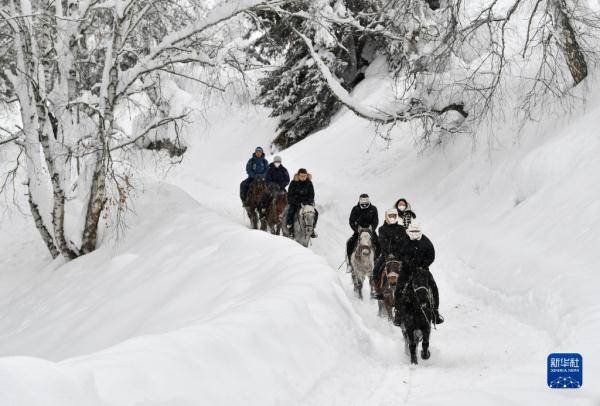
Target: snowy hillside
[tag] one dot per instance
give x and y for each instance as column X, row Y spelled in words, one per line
column 194, row 308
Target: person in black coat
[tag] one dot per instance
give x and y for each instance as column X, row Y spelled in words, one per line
column 277, row 174
column 301, row 191
column 277, row 178
column 393, row 240
column 405, row 213
column 418, row 253
column 363, row 215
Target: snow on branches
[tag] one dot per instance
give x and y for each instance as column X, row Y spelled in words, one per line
column 73, row 67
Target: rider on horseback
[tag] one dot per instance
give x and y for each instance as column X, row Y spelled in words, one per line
column 392, row 241
column 257, row 166
column 277, row 174
column 419, row 254
column 404, row 212
column 277, row 179
column 301, row 192
column 363, row 215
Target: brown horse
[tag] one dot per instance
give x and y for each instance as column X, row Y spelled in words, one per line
column 256, row 192
column 277, row 205
column 387, row 285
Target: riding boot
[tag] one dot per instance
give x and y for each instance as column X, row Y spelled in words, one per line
column 436, row 299
column 397, row 318
column 437, row 316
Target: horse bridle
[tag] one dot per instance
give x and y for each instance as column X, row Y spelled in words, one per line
column 302, row 215
column 428, row 295
column 386, row 272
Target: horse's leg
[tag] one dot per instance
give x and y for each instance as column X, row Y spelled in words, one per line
column 425, row 354
column 390, row 311
column 359, row 286
column 355, row 284
column 412, row 345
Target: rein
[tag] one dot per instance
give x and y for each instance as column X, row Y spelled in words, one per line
column 415, row 290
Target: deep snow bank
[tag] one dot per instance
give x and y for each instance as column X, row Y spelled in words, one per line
column 194, row 309
column 515, row 230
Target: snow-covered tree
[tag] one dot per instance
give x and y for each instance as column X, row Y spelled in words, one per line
column 295, row 89
column 73, row 67
column 456, row 65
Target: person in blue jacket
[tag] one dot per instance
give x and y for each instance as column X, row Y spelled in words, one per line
column 257, row 166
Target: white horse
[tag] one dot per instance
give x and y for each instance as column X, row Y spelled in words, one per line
column 304, row 223
column 362, row 260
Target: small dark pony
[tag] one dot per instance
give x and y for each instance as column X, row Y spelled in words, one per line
column 416, row 314
column 387, row 286
column 256, row 192
column 277, row 205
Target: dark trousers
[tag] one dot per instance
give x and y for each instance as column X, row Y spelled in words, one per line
column 350, row 245
column 378, row 269
column 292, row 209
column 244, row 186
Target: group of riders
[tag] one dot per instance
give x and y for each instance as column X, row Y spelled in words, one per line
column 300, row 191
column 399, row 238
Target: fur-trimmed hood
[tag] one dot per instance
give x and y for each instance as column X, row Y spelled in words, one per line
column 297, row 179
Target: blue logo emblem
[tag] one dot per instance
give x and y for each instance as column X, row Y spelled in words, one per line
column 565, row 371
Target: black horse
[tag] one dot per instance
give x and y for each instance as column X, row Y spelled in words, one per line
column 416, row 313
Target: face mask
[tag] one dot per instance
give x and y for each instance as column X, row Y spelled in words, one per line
column 392, row 220
column 277, row 164
column 414, row 235
column 365, row 205
column 402, row 208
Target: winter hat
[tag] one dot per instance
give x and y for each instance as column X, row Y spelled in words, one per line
column 414, row 231
column 277, row 159
column 302, row 170
column 259, row 149
column 391, row 216
column 364, row 201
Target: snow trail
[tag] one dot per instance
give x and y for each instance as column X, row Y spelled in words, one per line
column 192, row 307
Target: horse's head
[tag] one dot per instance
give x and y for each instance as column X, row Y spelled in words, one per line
column 365, row 243
column 420, row 286
column 259, row 183
column 393, row 267
column 280, row 201
column 307, row 217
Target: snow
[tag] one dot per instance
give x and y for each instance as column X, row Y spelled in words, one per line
column 192, row 308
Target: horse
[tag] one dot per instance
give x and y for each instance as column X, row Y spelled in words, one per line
column 362, row 260
column 256, row 192
column 416, row 314
column 304, row 223
column 387, row 284
column 274, row 215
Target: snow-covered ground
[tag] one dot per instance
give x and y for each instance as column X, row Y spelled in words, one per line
column 193, row 308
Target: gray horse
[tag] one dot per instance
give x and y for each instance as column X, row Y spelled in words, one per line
column 362, row 260
column 304, row 223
